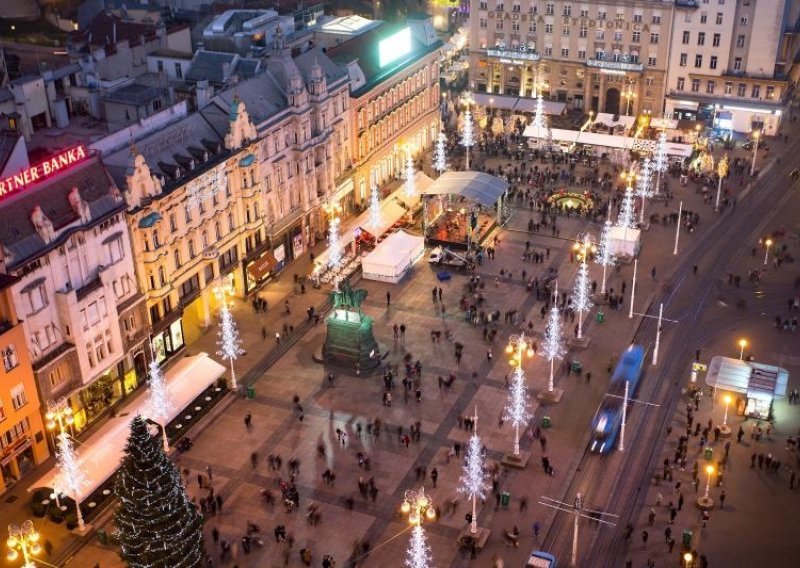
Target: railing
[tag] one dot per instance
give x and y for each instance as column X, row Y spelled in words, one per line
column 615, row 65
column 513, row 55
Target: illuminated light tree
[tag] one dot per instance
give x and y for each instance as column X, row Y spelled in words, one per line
column 411, row 175
column 467, row 134
column 517, row 410
column 72, row 477
column 643, row 189
column 473, row 481
column 419, row 553
column 335, row 251
column 539, row 118
column 229, row 342
column 159, row 400
column 626, row 216
column 439, row 155
column 375, row 216
column 552, row 346
column 157, row 526
column 605, row 254
column 660, row 162
column 581, row 295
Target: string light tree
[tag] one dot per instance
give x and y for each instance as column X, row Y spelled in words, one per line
column 643, row 190
column 473, row 482
column 722, row 173
column 660, row 161
column 160, row 402
column 375, row 216
column 229, row 342
column 334, row 243
column 517, row 409
column 411, row 174
column 72, row 478
column 157, row 525
column 468, row 131
column 417, row 506
column 539, row 117
column 605, row 253
column 440, row 155
column 582, row 292
column 553, row 348
column 627, row 214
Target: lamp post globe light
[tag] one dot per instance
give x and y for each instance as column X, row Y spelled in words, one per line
column 724, row 429
column 705, row 502
column 23, row 541
column 767, row 244
column 418, row 506
column 742, row 344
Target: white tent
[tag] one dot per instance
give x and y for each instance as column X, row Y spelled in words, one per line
column 624, row 242
column 393, row 258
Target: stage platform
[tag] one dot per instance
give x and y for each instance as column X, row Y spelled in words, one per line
column 456, row 238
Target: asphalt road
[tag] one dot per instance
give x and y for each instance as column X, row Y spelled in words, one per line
column 624, row 477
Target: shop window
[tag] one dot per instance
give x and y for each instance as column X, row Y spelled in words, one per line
column 10, row 359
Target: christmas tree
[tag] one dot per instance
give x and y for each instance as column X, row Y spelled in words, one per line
column 440, row 155
column 157, row 526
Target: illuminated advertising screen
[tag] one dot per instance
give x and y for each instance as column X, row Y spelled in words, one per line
column 394, row 47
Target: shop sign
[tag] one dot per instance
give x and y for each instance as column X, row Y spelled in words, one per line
column 41, row 171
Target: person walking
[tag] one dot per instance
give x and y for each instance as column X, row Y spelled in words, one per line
column 388, row 299
column 645, row 536
column 434, row 476
column 248, row 421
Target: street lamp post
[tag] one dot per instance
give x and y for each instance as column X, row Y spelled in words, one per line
column 710, row 472
column 756, row 137
column 417, row 506
column 629, row 95
column 742, row 345
column 767, row 244
column 678, row 229
column 633, row 286
column 23, row 540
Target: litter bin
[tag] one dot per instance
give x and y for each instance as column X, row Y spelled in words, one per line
column 505, row 498
column 545, row 422
column 600, row 316
column 577, row 367
column 708, row 453
column 251, row 392
column 687, row 538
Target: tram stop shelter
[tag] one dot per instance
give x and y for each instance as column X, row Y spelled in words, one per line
column 457, row 208
column 756, row 384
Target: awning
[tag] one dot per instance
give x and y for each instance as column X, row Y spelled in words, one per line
column 262, row 266
column 481, row 187
column 101, row 454
column 517, row 104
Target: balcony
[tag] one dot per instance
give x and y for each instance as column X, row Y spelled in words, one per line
column 615, row 65
column 95, row 284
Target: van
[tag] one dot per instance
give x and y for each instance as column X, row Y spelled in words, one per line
column 539, row 559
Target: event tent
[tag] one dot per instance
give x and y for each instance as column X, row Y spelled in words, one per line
column 517, row 104
column 607, row 140
column 483, row 188
column 393, row 258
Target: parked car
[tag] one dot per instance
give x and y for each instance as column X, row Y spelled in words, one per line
column 442, row 256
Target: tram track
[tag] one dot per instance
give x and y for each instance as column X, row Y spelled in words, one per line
column 643, row 444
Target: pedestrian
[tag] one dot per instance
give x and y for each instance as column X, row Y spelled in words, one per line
column 536, row 527
column 210, row 473
column 722, row 499
column 697, row 355
column 215, row 535
column 434, row 476
column 388, row 299
column 645, row 536
column 651, row 518
column 248, row 421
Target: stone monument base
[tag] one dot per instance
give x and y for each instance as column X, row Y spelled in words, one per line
column 350, row 341
column 519, row 461
column 480, row 537
column 552, row 397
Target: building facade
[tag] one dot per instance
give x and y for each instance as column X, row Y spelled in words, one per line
column 65, row 240
column 729, row 63
column 394, row 102
column 600, row 56
column 22, row 437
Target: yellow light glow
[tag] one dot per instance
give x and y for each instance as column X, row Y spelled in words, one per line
column 531, row 353
column 769, row 242
column 727, row 399
column 405, row 507
column 742, row 343
column 430, row 513
column 709, row 469
column 509, row 348
column 687, row 557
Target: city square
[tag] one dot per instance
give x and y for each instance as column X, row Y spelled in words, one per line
column 508, row 322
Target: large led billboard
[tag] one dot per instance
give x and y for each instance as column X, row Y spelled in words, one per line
column 394, row 47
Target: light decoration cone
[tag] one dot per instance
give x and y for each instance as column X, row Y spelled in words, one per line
column 439, row 154
column 626, row 216
column 553, row 343
column 159, row 400
column 517, row 409
column 71, row 474
column 375, row 217
column 473, row 481
column 334, row 244
column 605, row 254
column 643, row 189
column 229, row 342
column 411, row 176
column 581, row 294
column 660, row 161
column 467, row 134
column 418, row 554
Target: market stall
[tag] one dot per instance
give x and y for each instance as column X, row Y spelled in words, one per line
column 756, row 384
column 393, row 258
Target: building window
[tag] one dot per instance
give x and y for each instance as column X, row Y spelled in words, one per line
column 695, row 85
column 114, row 250
column 636, row 37
column 710, row 86
column 37, row 299
column 159, row 66
column 712, row 62
column 719, row 18
column 653, row 38
column 176, row 255
column 737, row 63
column 564, row 52
column 651, row 61
column 755, row 93
column 770, row 94
column 581, row 54
column 10, row 358
column 683, row 59
column 550, row 9
column 656, row 19
column 741, row 90
column 602, row 15
column 728, row 88
column 703, row 18
column 701, row 38
column 548, row 28
column 18, row 398
column 567, row 10
column 687, row 17
column 686, row 36
column 740, row 39
column 192, row 252
column 548, row 50
column 583, row 31
column 744, row 20
column 617, row 37
column 600, row 35
column 637, row 18
column 698, row 60
column 565, row 31
column 715, row 40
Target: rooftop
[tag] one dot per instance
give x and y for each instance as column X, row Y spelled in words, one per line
column 135, row 94
column 108, row 29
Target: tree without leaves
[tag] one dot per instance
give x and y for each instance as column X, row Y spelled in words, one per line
column 157, row 526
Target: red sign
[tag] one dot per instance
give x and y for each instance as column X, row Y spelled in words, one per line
column 42, row 170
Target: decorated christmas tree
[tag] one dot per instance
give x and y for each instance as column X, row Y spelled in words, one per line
column 157, row 526
column 440, row 155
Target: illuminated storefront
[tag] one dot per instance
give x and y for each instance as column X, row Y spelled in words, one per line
column 755, row 385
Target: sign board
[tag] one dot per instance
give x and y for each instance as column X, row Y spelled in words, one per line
column 394, row 47
column 44, row 169
column 699, row 367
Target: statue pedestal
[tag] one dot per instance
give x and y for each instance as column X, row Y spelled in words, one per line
column 350, row 341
